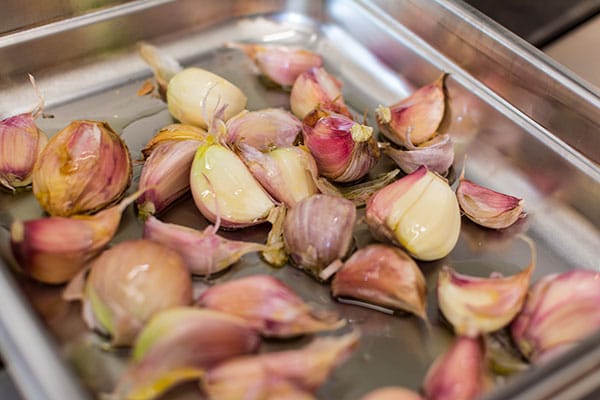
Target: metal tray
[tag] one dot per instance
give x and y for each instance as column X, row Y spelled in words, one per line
column 381, row 53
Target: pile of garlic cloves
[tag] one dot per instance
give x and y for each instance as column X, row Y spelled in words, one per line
column 303, row 171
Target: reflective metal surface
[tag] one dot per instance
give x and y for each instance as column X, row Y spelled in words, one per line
column 380, row 58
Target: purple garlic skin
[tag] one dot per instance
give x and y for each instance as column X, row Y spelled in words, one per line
column 269, row 306
column 392, row 393
column 264, row 129
column 437, row 155
column 316, row 88
column 560, row 311
column 318, row 231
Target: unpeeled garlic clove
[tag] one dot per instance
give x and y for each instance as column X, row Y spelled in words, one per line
column 288, row 173
column 316, row 88
column 173, row 133
column 459, row 373
column 263, row 375
column 53, row 250
column 392, row 393
column 179, row 345
column 204, row 252
column 344, row 150
column 436, row 154
column 318, row 232
column 418, row 115
column 21, row 143
column 223, row 188
column 418, row 212
column 385, row 276
column 280, row 64
column 487, row 207
column 560, row 311
column 269, row 306
column 475, row 305
column 83, row 168
column 131, row 282
column 264, row 129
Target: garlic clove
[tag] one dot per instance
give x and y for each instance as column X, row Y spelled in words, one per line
column 392, row 393
column 487, row 207
column 305, row 369
column 418, row 212
column 459, row 373
column 288, row 174
column 316, row 88
column 204, row 252
column 436, row 154
column 560, row 311
column 384, row 276
column 83, row 168
column 280, row 64
column 269, row 306
column 53, row 250
column 172, row 133
column 179, row 345
column 418, row 115
column 223, row 187
column 475, row 305
column 344, row 150
column 194, row 92
column 264, row 129
column 131, row 282
column 318, row 231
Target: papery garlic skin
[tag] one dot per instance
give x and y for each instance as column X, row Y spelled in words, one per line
column 173, row 133
column 417, row 116
column 223, row 187
column 179, row 345
column 130, row 283
column 344, row 150
column 459, row 373
column 204, row 252
column 560, row 311
column 194, row 94
column 264, row 129
column 436, row 154
column 280, row 64
column 269, row 306
column 318, row 231
column 385, row 276
column 418, row 212
column 487, row 207
column 316, row 88
column 392, row 393
column 265, row 375
column 288, row 174
column 83, row 168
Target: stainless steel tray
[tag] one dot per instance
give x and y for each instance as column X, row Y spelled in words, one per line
column 381, row 50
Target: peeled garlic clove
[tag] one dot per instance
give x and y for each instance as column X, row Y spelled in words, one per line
column 316, row 88
column 487, row 207
column 173, row 133
column 83, row 168
column 344, row 150
column 204, row 252
column 223, row 188
column 280, row 64
column 264, row 129
column 21, row 143
column 131, row 282
column 418, row 212
column 560, row 311
column 459, row 373
column 384, row 276
column 288, row 174
column 392, row 393
column 476, row 305
column 195, row 92
column 437, row 155
column 268, row 306
column 318, row 231
column 53, row 250
column 179, row 345
column 306, row 369
column 419, row 115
